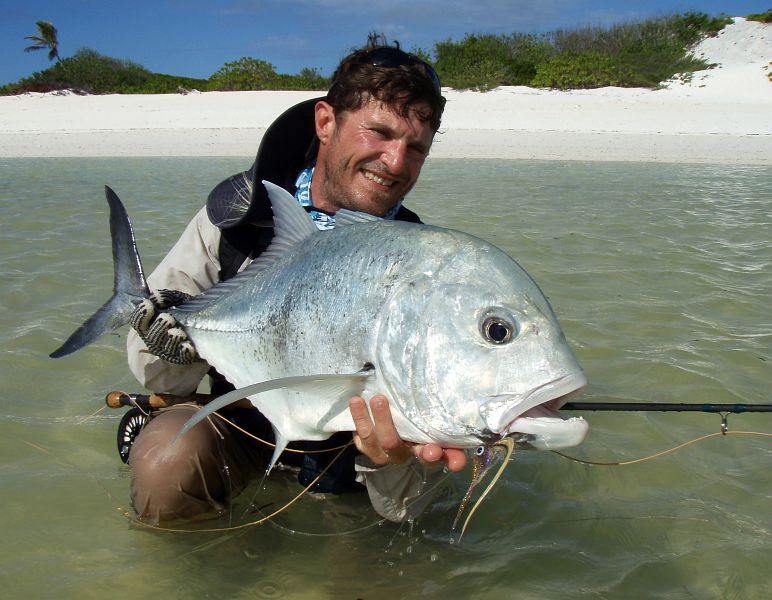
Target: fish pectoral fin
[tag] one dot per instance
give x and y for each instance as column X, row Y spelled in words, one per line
column 281, row 444
column 332, row 385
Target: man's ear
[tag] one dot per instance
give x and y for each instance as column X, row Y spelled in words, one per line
column 324, row 119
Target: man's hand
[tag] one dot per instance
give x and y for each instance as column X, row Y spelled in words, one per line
column 377, row 438
column 159, row 330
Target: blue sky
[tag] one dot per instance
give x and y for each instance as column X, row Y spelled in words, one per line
column 196, row 37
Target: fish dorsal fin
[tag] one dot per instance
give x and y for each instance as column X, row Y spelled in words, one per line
column 292, row 225
column 351, row 217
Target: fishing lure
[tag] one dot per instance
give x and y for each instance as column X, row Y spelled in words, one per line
column 484, row 459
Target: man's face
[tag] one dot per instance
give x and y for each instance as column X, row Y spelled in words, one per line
column 368, row 159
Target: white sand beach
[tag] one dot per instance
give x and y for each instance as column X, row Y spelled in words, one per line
column 721, row 115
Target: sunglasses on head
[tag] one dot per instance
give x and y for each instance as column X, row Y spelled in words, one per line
column 394, row 57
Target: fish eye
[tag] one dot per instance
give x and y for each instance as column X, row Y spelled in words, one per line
column 498, row 330
column 480, row 450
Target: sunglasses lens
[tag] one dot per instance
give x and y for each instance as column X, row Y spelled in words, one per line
column 394, row 57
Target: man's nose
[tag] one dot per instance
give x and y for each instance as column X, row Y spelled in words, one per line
column 394, row 156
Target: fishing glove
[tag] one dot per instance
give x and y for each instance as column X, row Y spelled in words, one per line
column 159, row 330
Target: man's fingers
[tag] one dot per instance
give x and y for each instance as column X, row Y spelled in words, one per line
column 384, row 425
column 377, row 438
column 454, row 458
column 386, row 433
column 365, row 439
column 430, row 453
column 143, row 315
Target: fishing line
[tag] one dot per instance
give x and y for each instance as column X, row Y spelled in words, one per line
column 341, row 448
column 363, row 527
column 663, row 452
column 271, row 445
column 78, row 469
column 92, row 415
column 308, row 533
column 251, row 523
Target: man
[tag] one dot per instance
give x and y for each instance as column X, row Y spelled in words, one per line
column 362, row 148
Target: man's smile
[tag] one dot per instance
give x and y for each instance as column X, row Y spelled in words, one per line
column 377, row 178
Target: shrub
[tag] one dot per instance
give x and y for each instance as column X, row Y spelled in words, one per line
column 644, row 53
column 691, row 27
column 244, row 74
column 87, row 71
column 572, row 70
column 254, row 74
column 764, row 17
column 307, row 79
column 487, row 61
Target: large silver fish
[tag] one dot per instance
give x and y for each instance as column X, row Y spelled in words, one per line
column 447, row 326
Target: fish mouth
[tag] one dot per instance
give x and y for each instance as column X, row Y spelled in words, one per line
column 538, row 422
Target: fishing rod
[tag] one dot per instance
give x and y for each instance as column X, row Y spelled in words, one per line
column 722, row 409
column 149, row 401
column 667, row 407
column 132, row 423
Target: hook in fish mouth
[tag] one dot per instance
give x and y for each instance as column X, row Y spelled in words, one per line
column 489, row 438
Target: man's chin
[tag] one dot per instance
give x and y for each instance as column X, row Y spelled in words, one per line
column 375, row 202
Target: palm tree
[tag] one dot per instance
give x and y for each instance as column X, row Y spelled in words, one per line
column 46, row 40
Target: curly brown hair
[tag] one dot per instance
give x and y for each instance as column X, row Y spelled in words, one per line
column 391, row 76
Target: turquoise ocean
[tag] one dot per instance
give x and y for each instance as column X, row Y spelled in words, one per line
column 661, row 275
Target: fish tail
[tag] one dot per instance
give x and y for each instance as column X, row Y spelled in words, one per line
column 129, row 285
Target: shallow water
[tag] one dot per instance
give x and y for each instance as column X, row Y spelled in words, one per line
column 661, row 276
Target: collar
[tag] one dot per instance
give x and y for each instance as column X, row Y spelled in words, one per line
column 323, row 219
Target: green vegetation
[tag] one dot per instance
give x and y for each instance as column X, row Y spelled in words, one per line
column 48, row 39
column 765, row 17
column 92, row 73
column 254, row 74
column 586, row 70
column 638, row 54
column 89, row 72
column 486, row 61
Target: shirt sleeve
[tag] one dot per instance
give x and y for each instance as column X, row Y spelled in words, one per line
column 399, row 492
column 191, row 266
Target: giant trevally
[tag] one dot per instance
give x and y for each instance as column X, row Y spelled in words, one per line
column 447, row 326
